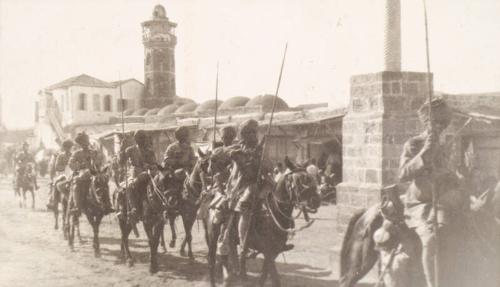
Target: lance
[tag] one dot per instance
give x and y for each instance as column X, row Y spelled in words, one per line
column 263, row 143
column 123, row 127
column 216, row 103
column 433, row 188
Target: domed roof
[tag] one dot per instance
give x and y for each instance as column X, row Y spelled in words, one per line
column 128, row 112
column 186, row 108
column 266, row 101
column 140, row 112
column 152, row 112
column 208, row 106
column 234, row 102
column 180, row 100
column 168, row 109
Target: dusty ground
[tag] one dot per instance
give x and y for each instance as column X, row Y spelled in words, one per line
column 32, row 253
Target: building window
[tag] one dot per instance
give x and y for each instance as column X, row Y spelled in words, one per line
column 82, row 102
column 121, row 105
column 97, row 102
column 107, row 103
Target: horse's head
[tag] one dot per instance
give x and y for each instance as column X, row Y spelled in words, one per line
column 300, row 187
column 218, row 161
column 99, row 182
column 203, row 162
column 391, row 207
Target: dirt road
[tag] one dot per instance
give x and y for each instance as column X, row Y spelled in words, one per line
column 32, row 253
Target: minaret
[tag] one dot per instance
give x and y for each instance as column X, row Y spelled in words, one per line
column 158, row 37
column 392, row 36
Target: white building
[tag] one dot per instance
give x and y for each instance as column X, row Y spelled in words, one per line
column 83, row 100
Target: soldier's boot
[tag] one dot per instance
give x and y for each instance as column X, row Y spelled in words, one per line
column 243, row 229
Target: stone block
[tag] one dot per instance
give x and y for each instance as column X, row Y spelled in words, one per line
column 410, row 89
column 386, row 88
column 389, row 76
column 373, row 176
column 358, row 200
column 396, row 88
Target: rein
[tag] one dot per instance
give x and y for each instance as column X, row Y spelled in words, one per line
column 289, row 231
column 158, row 192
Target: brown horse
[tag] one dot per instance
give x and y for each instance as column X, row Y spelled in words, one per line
column 401, row 264
column 188, row 203
column 93, row 208
column 272, row 226
column 162, row 195
column 25, row 182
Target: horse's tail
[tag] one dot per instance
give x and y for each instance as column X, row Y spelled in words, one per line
column 346, row 243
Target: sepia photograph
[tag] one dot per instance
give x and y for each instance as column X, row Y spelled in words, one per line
column 320, row 143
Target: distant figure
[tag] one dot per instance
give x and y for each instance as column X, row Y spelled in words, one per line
column 279, row 171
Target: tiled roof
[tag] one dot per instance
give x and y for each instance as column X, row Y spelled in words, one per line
column 81, row 80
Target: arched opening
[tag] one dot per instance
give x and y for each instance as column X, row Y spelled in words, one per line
column 107, row 103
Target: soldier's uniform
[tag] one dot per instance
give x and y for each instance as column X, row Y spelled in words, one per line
column 180, row 154
column 423, row 164
column 22, row 160
column 244, row 189
column 82, row 162
column 140, row 159
column 58, row 167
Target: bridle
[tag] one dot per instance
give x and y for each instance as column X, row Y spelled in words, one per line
column 294, row 196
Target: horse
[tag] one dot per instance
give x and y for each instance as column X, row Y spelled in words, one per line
column 479, row 232
column 25, row 182
column 187, row 205
column 271, row 227
column 159, row 196
column 92, row 207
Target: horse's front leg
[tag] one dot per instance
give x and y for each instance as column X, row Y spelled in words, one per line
column 264, row 273
column 125, row 229
column 56, row 215
column 213, row 232
column 188, row 218
column 275, row 276
column 32, row 198
column 171, row 221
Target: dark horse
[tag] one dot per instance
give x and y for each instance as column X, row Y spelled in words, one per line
column 478, row 258
column 187, row 204
column 160, row 195
column 25, row 182
column 272, row 226
column 93, row 208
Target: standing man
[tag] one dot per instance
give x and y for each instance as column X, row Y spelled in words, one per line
column 58, row 167
column 21, row 162
column 423, row 165
column 139, row 159
column 82, row 163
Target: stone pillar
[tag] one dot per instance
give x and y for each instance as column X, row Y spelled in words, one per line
column 381, row 117
column 392, row 36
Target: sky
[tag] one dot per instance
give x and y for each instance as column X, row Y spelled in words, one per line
column 44, row 42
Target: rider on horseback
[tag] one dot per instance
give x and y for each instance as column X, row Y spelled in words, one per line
column 22, row 160
column 227, row 137
column 423, row 165
column 58, row 168
column 244, row 190
column 140, row 159
column 83, row 162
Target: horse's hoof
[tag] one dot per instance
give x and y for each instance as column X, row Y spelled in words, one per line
column 97, row 254
column 172, row 244
column 130, row 262
column 153, row 268
column 191, row 256
column 183, row 253
column 164, row 250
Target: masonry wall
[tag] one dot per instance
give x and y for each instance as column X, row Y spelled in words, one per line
column 381, row 117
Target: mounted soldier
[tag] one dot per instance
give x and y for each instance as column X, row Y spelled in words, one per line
column 58, row 167
column 227, row 138
column 83, row 163
column 423, row 164
column 139, row 159
column 180, row 155
column 21, row 161
column 244, row 190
